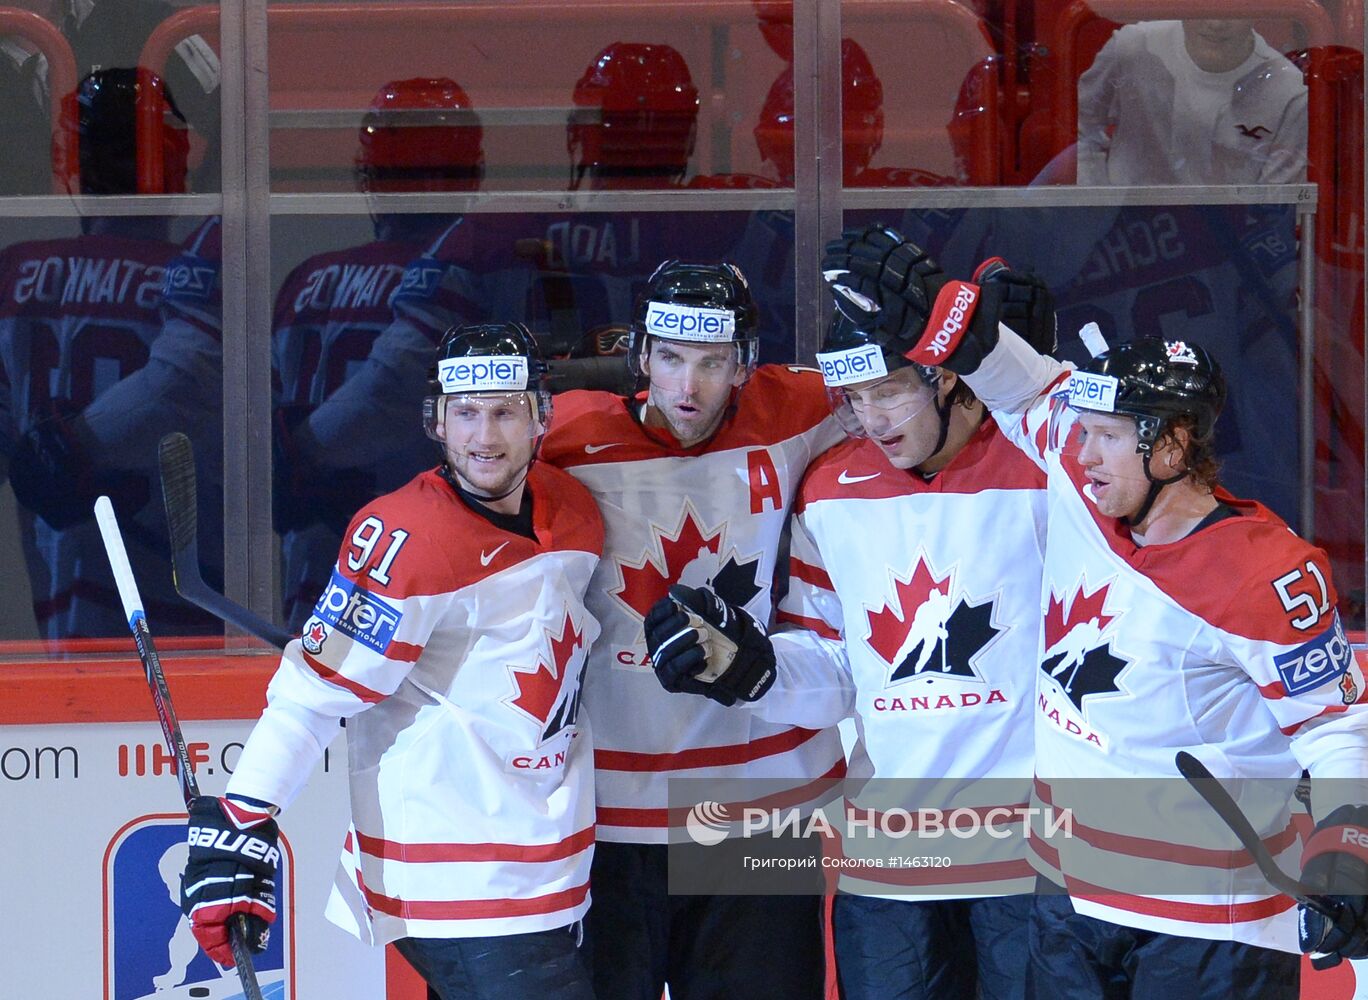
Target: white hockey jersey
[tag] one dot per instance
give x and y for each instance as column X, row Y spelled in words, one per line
column 1225, row 644
column 457, row 650
column 927, row 595
column 711, row 514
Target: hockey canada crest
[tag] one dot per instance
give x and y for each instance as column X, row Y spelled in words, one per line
column 930, row 628
column 690, row 554
column 1078, row 649
column 550, row 693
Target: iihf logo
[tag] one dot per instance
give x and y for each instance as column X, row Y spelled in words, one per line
column 150, row 953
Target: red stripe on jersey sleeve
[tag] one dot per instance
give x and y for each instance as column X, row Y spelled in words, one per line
column 1328, row 710
column 811, row 624
column 391, row 850
column 333, row 677
column 475, row 909
column 1173, row 909
column 719, row 756
column 659, row 818
column 809, row 573
column 403, row 652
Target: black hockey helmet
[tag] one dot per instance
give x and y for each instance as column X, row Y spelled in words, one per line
column 696, row 303
column 101, row 118
column 487, row 358
column 853, row 353
column 1155, row 381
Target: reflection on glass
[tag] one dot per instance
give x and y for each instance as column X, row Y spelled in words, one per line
column 26, row 154
column 105, row 33
column 636, row 119
column 347, row 429
column 1191, row 102
column 108, row 339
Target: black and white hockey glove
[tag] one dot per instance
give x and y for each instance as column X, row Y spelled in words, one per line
column 700, row 644
column 1335, row 862
column 231, row 869
column 1022, row 301
column 875, row 276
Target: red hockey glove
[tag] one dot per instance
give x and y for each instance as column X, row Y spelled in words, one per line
column 231, row 869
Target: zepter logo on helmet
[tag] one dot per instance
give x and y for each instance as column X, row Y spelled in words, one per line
column 862, row 117
column 636, row 118
column 421, row 135
column 493, row 359
column 872, row 389
column 699, row 304
column 99, row 131
column 1154, row 381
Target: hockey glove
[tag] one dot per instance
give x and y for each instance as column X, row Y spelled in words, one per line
column 1336, row 862
column 963, row 327
column 231, row 869
column 700, row 644
column 876, row 276
column 54, row 476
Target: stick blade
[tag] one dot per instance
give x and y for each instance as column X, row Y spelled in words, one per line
column 177, row 460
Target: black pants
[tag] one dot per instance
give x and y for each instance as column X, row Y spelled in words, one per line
column 943, row 949
column 544, row 965
column 1074, row 957
column 639, row 938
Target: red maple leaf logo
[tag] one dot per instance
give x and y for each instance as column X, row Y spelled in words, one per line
column 888, row 627
column 538, row 689
column 1084, row 608
column 646, row 582
column 317, row 633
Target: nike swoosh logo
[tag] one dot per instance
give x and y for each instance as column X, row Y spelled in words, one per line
column 488, row 557
column 846, row 479
column 594, row 449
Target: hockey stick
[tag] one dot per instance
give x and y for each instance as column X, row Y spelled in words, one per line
column 177, row 461
column 166, row 714
column 1219, row 799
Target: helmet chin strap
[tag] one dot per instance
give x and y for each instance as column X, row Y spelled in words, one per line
column 1156, row 484
column 943, row 410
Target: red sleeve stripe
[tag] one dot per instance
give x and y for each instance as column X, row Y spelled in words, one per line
column 476, row 909
column 391, row 850
column 403, row 652
column 1327, row 710
column 1274, row 692
column 809, row 573
column 1162, row 850
column 1173, row 909
column 811, row 624
column 333, row 677
column 719, row 756
column 816, row 792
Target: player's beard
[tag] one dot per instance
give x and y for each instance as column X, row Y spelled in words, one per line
column 687, row 429
column 491, row 479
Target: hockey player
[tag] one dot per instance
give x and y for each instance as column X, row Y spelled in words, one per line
column 695, row 478
column 921, row 625
column 78, row 316
column 1215, row 633
column 453, row 637
column 419, row 135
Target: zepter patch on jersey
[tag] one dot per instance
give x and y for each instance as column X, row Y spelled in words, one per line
column 357, row 613
column 858, row 364
column 677, row 322
column 1317, row 662
column 486, row 373
column 1089, row 391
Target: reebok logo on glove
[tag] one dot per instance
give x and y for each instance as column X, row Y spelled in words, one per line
column 949, row 317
